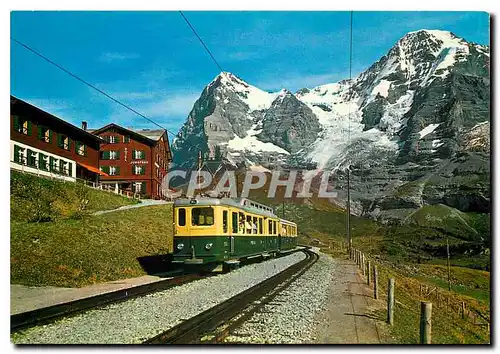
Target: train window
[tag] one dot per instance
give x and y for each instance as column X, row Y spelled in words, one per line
column 202, row 216
column 270, row 231
column 260, row 226
column 181, row 218
column 235, row 223
column 275, row 229
column 248, row 225
column 254, row 225
column 241, row 223
column 224, row 221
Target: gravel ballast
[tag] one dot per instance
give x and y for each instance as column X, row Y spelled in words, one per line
column 139, row 319
column 289, row 318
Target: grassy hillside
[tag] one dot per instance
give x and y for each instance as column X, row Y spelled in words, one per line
column 36, row 199
column 55, row 239
column 447, row 325
column 92, row 249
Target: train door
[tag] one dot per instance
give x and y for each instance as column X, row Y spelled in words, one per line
column 279, row 229
column 234, row 232
column 182, row 239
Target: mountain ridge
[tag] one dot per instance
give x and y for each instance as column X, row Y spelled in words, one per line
column 415, row 106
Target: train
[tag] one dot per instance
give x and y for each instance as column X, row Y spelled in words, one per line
column 221, row 232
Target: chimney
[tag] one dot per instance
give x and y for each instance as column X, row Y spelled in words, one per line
column 84, row 125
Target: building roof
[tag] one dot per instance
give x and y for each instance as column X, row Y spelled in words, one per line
column 18, row 106
column 153, row 134
column 147, row 136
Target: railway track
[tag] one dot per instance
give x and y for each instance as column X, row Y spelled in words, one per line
column 216, row 323
column 52, row 313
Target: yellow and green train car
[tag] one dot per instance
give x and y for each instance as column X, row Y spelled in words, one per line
column 223, row 230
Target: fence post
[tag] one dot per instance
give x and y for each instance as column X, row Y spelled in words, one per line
column 375, row 282
column 368, row 271
column 425, row 322
column 463, row 309
column 363, row 264
column 390, row 302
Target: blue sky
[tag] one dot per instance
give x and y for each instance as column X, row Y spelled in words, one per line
column 153, row 62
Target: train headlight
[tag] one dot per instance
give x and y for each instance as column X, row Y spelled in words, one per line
column 180, row 246
column 208, row 246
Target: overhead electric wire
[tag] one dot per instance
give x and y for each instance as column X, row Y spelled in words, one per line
column 89, row 84
column 201, row 41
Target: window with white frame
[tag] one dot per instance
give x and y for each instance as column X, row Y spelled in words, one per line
column 32, row 158
column 112, row 170
column 113, row 139
column 138, row 187
column 137, row 154
column 45, row 162
column 63, row 167
column 113, row 155
column 138, row 170
column 19, row 154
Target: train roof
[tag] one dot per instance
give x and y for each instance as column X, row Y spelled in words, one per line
column 287, row 222
column 242, row 203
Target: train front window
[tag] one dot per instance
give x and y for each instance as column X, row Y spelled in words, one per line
column 181, row 219
column 260, row 226
column 202, row 216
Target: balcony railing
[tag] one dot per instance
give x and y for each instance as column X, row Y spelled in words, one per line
column 58, row 176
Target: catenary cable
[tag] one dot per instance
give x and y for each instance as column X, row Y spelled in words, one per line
column 89, row 84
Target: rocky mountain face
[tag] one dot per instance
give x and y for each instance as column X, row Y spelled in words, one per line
column 413, row 128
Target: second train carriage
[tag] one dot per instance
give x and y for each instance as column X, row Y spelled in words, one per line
column 223, row 230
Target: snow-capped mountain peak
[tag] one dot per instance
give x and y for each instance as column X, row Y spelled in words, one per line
column 253, row 97
column 376, row 111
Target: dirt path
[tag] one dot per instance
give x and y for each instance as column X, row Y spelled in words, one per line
column 143, row 203
column 349, row 317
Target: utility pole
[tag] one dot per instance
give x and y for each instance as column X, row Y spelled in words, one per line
column 448, row 256
column 200, row 162
column 349, row 240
